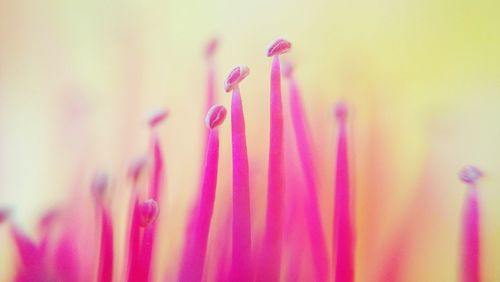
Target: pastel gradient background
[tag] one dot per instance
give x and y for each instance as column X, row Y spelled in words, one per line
column 423, row 77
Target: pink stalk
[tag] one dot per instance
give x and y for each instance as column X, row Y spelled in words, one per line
column 105, row 268
column 270, row 260
column 156, row 182
column 471, row 236
column 343, row 234
column 195, row 251
column 148, row 213
column 241, row 237
column 157, row 170
column 106, row 256
column 133, row 241
column 315, row 229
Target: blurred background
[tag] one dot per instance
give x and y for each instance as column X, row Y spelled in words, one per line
column 77, row 79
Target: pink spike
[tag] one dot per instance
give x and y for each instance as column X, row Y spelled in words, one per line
column 471, row 235
column 156, row 178
column 343, row 234
column 27, row 249
column 148, row 212
column 241, row 249
column 270, row 260
column 210, row 99
column 99, row 185
column 315, row 229
column 278, row 46
column 195, row 251
column 136, row 168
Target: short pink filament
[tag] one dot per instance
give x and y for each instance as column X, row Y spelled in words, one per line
column 195, row 252
column 240, row 261
column 271, row 251
column 471, row 238
column 315, row 228
column 343, row 243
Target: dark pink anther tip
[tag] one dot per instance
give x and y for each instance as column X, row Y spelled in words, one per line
column 211, row 48
column 215, row 116
column 157, row 117
column 99, row 184
column 470, row 174
column 278, row 47
column 235, row 77
column 341, row 110
column 287, row 69
column 136, row 168
column 149, row 212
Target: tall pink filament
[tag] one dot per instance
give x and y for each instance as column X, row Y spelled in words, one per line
column 343, row 235
column 156, row 181
column 105, row 273
column 195, row 252
column 471, row 271
column 133, row 239
column 241, row 242
column 270, row 260
column 316, row 234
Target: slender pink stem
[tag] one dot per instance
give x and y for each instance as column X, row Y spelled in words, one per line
column 156, row 178
column 343, row 235
column 195, row 251
column 105, row 273
column 316, row 234
column 471, row 255
column 270, row 260
column 241, row 242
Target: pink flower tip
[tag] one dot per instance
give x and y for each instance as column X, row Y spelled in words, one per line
column 341, row 110
column 278, row 47
column 211, row 47
column 149, row 212
column 99, row 184
column 235, row 77
column 136, row 168
column 157, row 116
column 470, row 174
column 4, row 214
column 215, row 116
column 287, row 69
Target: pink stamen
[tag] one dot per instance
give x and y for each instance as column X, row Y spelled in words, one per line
column 215, row 116
column 149, row 212
column 235, row 77
column 211, row 48
column 471, row 235
column 105, row 268
column 133, row 242
column 241, row 249
column 278, row 47
column 270, row 261
column 195, row 252
column 157, row 116
column 343, row 234
column 316, row 233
